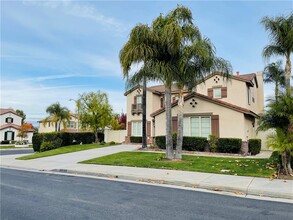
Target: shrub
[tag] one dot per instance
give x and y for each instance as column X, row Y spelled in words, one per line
column 135, row 139
column 161, row 141
column 50, row 145
column 229, row 145
column 46, row 145
column 5, row 142
column 37, row 141
column 254, row 146
column 112, row 143
column 213, row 141
column 194, row 143
column 66, row 139
column 189, row 143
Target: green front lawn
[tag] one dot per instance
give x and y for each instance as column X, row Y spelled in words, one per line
column 7, row 147
column 62, row 150
column 232, row 166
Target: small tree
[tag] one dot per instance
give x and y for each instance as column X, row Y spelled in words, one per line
column 122, row 120
column 24, row 128
column 95, row 112
column 115, row 123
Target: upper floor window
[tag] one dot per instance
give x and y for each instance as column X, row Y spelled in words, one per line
column 9, row 120
column 138, row 100
column 217, row 93
column 248, row 95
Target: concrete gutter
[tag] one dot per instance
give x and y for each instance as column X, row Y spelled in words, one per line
column 248, row 186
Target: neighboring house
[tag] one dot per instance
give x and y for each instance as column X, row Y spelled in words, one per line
column 10, row 126
column 49, row 126
column 225, row 108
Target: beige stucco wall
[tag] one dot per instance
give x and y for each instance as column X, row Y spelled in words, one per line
column 153, row 103
column 231, row 123
column 50, row 127
column 236, row 92
column 260, row 93
column 116, row 136
column 16, row 118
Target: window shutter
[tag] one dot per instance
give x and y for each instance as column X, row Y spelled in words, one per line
column 148, row 129
column 129, row 129
column 174, row 124
column 12, row 138
column 215, row 125
column 135, row 100
column 162, row 102
column 224, row 92
column 210, row 93
column 5, row 136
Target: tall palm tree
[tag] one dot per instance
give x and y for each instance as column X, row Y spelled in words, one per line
column 197, row 60
column 138, row 49
column 158, row 47
column 274, row 73
column 58, row 115
column 281, row 41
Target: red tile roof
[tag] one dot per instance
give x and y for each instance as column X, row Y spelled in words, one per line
column 8, row 110
column 17, row 127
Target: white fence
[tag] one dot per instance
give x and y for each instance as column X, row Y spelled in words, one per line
column 117, row 136
column 263, row 136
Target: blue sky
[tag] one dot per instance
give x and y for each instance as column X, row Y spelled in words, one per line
column 54, row 50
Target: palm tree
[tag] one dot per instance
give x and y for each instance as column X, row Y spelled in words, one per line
column 281, row 41
column 196, row 61
column 280, row 117
column 138, row 49
column 58, row 115
column 274, row 73
column 159, row 48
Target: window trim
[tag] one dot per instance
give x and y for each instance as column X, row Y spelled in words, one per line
column 6, row 120
column 218, row 89
column 133, row 129
column 200, row 127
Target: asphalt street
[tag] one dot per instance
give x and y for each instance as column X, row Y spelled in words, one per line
column 18, row 151
column 31, row 195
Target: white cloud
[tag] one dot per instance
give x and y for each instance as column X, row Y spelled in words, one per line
column 33, row 98
column 82, row 10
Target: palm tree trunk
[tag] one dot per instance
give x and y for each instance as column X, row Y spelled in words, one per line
column 288, row 73
column 276, row 89
column 56, row 126
column 169, row 141
column 144, row 138
column 288, row 158
column 178, row 152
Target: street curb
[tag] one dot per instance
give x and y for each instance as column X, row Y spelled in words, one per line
column 211, row 187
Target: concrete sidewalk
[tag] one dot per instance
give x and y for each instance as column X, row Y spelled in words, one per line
column 68, row 163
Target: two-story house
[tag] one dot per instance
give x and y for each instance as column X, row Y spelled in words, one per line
column 10, row 126
column 46, row 126
column 225, row 108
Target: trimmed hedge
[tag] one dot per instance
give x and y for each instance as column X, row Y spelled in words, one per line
column 229, row 145
column 134, row 139
column 254, row 146
column 189, row 143
column 64, row 138
column 5, row 142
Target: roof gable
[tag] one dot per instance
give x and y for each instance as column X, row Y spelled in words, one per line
column 208, row 99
